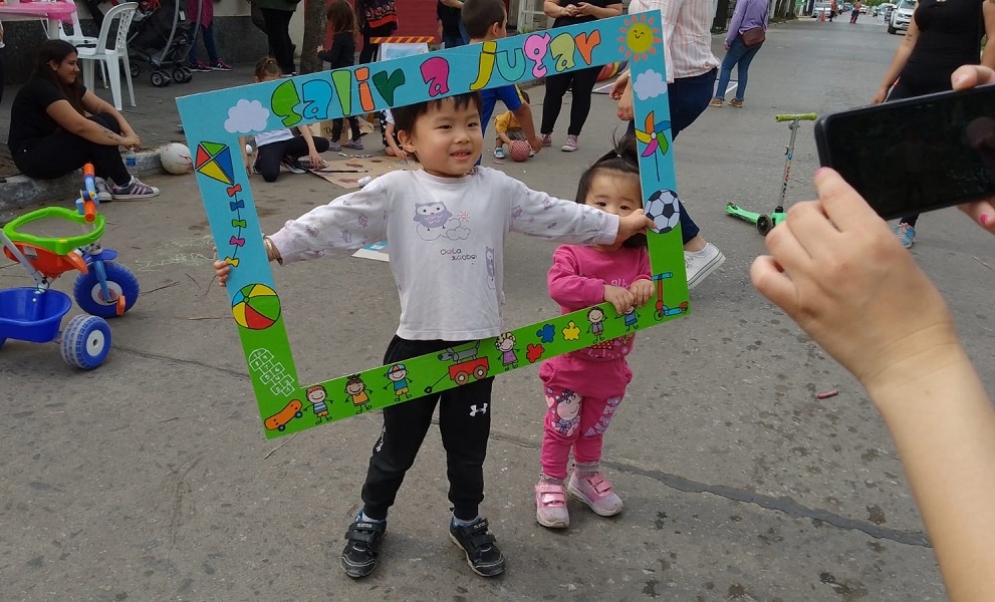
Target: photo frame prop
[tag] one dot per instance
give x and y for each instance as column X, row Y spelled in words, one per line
column 214, row 121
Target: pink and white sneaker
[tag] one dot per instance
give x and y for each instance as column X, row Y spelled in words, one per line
column 551, row 505
column 595, row 491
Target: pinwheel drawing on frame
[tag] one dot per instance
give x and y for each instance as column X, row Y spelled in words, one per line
column 654, row 136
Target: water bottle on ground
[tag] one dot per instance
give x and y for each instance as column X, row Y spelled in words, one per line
column 131, row 161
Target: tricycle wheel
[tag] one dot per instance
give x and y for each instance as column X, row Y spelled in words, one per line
column 120, row 282
column 86, row 342
column 764, row 225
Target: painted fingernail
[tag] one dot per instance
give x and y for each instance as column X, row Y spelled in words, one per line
column 984, row 219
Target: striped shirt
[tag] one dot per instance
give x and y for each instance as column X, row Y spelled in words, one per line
column 686, row 34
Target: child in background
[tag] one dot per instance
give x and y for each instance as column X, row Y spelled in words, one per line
column 486, row 20
column 508, row 129
column 207, row 29
column 584, row 388
column 281, row 147
column 342, row 22
column 388, row 133
column 444, row 303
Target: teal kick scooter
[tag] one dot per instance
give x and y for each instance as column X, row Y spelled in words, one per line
column 762, row 221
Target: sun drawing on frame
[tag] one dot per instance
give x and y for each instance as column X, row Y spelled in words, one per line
column 639, row 37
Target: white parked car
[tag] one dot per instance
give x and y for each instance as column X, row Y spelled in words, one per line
column 901, row 16
column 820, row 8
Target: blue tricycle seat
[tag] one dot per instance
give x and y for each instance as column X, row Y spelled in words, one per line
column 29, row 314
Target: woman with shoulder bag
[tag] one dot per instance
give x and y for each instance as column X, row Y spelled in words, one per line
column 746, row 35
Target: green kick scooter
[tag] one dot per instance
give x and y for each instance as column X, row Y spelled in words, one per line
column 762, row 221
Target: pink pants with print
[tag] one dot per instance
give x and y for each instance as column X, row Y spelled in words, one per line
column 581, row 396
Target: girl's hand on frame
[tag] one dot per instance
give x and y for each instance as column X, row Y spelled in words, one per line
column 642, row 291
column 619, row 297
column 319, row 49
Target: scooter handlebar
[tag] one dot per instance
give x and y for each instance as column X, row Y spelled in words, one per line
column 794, row 116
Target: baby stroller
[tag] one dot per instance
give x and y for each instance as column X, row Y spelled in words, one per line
column 158, row 37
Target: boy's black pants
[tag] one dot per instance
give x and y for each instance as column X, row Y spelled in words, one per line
column 465, row 423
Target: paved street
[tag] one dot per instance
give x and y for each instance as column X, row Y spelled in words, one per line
column 149, row 479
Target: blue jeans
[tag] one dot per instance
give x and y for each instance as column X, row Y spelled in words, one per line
column 738, row 53
column 209, row 45
column 688, row 98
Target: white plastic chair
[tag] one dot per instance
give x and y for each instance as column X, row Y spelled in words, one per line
column 122, row 14
column 77, row 39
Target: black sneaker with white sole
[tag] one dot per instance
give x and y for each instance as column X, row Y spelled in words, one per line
column 482, row 553
column 359, row 557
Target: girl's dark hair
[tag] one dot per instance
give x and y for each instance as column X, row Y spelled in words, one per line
column 341, row 17
column 58, row 51
column 265, row 67
column 624, row 159
column 405, row 117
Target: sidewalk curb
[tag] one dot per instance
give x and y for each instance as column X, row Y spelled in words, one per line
column 20, row 191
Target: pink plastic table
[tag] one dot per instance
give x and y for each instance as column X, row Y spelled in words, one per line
column 53, row 12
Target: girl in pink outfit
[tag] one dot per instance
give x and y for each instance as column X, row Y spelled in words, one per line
column 584, row 388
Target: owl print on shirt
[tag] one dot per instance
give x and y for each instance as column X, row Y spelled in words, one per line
column 433, row 221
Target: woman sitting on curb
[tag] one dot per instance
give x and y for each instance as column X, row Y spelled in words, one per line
column 57, row 126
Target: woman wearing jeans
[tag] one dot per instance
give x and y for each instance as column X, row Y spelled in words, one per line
column 749, row 14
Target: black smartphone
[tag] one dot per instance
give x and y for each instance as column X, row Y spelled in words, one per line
column 917, row 154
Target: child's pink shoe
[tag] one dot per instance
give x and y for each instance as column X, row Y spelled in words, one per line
column 551, row 505
column 595, row 491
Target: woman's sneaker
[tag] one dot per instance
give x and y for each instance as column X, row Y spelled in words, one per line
column 547, row 140
column 359, row 557
column 906, row 235
column 354, row 145
column 133, row 190
column 570, row 145
column 334, row 146
column 595, row 491
column 292, row 164
column 103, row 190
column 482, row 553
column 551, row 505
column 220, row 65
column 200, row 66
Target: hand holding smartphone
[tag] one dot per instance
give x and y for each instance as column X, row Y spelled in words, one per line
column 915, row 155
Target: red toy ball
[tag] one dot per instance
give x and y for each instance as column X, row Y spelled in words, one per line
column 520, row 150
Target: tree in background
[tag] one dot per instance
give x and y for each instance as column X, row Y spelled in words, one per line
column 314, row 35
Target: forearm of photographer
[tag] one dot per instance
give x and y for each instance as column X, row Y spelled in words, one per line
column 836, row 268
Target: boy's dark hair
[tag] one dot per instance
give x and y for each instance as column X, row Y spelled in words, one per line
column 406, row 116
column 341, row 17
column 624, row 159
column 479, row 15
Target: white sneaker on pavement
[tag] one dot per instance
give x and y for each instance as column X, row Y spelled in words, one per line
column 701, row 264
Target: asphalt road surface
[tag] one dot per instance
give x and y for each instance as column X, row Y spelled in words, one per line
column 150, row 479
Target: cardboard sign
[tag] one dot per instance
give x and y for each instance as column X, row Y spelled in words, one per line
column 213, row 122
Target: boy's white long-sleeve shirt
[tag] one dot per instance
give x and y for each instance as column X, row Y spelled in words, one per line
column 446, row 240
